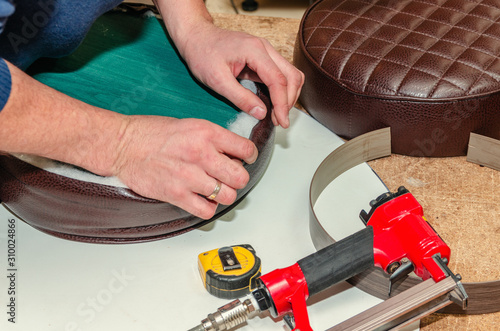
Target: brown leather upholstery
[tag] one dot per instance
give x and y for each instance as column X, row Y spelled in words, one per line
column 429, row 69
column 89, row 212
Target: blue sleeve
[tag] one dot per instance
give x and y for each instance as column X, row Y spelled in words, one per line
column 5, row 83
column 6, row 9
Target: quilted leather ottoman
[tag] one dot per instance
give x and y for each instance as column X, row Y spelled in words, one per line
column 429, row 69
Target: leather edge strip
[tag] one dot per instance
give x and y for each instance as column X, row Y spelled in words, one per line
column 484, row 151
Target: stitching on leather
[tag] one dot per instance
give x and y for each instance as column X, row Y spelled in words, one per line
column 355, row 18
column 444, row 56
column 355, row 51
column 436, row 84
column 477, row 4
column 482, row 75
column 322, row 57
column 423, row 71
column 497, row 38
column 482, row 17
column 406, row 29
column 440, row 78
column 397, row 88
column 317, row 26
column 328, row 11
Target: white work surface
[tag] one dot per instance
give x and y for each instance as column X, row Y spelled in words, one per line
column 64, row 285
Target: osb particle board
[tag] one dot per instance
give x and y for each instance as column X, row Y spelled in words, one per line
column 280, row 32
column 460, row 199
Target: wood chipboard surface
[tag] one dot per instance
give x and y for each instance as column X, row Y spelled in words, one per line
column 460, row 199
column 462, row 202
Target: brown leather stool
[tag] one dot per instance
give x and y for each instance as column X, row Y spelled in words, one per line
column 429, row 69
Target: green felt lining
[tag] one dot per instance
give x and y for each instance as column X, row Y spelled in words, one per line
column 128, row 64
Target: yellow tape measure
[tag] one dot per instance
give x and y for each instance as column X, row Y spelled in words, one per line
column 229, row 272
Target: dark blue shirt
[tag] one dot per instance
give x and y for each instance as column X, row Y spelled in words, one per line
column 31, row 29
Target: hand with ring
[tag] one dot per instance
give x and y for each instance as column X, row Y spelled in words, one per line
column 179, row 161
column 199, row 163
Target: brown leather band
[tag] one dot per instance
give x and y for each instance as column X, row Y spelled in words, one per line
column 484, row 297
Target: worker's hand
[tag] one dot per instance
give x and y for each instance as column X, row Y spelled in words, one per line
column 181, row 160
column 216, row 57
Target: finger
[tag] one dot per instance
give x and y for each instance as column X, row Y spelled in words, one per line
column 234, row 145
column 188, row 193
column 294, row 86
column 244, row 99
column 220, row 192
column 230, row 173
column 197, row 201
column 276, row 81
column 213, row 189
column 215, row 163
column 273, row 118
column 216, row 191
column 295, row 78
column 221, row 157
column 249, row 74
column 295, row 81
column 199, row 206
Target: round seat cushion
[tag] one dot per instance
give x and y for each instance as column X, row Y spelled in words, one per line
column 128, row 65
column 428, row 69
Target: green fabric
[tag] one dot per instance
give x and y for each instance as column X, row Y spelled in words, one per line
column 127, row 64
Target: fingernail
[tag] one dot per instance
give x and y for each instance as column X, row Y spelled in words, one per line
column 258, row 112
column 286, row 122
column 253, row 157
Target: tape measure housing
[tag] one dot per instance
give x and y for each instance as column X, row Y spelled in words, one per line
column 229, row 272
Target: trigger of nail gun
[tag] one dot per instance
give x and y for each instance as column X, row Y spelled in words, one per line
column 403, row 270
column 459, row 297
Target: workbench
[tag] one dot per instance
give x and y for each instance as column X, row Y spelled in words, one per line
column 65, row 285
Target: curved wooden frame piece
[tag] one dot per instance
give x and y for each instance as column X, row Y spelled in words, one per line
column 483, row 296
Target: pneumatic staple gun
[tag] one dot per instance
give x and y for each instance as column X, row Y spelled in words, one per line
column 397, row 239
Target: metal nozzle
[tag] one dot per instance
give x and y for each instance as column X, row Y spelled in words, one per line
column 229, row 316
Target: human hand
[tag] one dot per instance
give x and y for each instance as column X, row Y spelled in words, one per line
column 217, row 57
column 180, row 161
column 173, row 160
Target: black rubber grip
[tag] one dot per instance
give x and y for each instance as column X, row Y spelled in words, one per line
column 339, row 261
